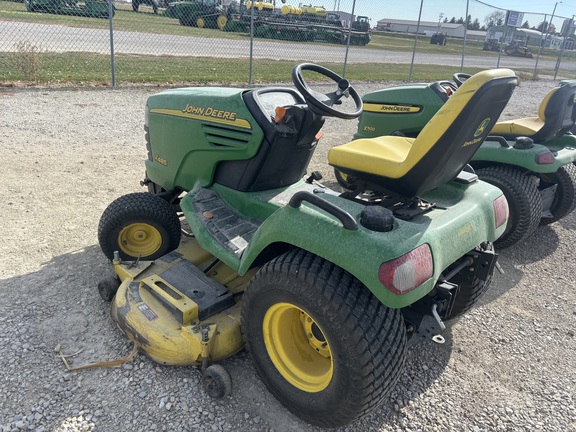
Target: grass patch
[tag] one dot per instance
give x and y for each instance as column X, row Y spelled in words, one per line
column 90, row 69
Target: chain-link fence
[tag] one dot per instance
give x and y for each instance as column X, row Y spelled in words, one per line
column 152, row 41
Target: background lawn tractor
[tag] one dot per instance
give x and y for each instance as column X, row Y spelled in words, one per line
column 324, row 289
column 517, row 49
column 87, row 8
column 529, row 159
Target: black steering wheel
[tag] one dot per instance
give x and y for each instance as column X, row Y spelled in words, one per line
column 459, row 78
column 323, row 104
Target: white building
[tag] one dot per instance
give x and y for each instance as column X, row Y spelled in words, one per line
column 426, row 27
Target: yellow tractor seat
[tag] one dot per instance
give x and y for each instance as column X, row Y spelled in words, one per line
column 411, row 166
column 556, row 116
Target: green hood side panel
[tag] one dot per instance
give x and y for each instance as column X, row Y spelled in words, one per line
column 492, row 151
column 192, row 129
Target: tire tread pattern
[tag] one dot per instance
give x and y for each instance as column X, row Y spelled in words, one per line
column 374, row 331
column 523, row 199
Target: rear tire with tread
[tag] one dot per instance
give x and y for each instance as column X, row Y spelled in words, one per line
column 523, row 199
column 366, row 340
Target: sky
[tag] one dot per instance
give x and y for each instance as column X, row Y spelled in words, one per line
column 534, row 10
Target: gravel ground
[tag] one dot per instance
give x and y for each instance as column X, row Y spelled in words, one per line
column 508, row 365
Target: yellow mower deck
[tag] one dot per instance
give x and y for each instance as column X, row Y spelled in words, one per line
column 178, row 314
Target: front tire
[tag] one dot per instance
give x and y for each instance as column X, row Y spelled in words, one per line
column 139, row 225
column 321, row 342
column 523, row 199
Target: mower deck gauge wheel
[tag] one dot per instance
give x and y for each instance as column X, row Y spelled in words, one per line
column 107, row 288
column 216, row 381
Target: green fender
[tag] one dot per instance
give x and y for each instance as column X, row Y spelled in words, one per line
column 355, row 251
column 464, row 219
column 469, row 222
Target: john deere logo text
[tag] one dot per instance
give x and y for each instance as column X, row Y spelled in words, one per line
column 210, row 112
column 392, row 109
column 482, row 127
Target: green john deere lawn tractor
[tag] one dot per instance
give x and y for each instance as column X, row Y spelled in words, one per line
column 531, row 159
column 198, row 13
column 87, row 8
column 325, row 289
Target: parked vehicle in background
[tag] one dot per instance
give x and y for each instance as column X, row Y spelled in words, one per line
column 198, row 13
column 516, row 49
column 87, row 8
column 155, row 4
column 491, row 45
column 297, row 23
column 438, row 39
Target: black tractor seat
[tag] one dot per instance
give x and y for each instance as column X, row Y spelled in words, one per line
column 412, row 166
column 556, row 116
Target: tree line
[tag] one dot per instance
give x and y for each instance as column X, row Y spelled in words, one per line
column 497, row 18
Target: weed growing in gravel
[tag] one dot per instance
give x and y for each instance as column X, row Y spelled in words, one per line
column 27, row 60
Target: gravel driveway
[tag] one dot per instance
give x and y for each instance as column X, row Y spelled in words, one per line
column 508, row 365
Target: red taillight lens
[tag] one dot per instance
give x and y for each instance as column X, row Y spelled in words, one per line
column 501, row 211
column 544, row 158
column 405, row 273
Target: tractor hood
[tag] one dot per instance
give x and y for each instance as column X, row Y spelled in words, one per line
column 217, row 105
column 191, row 130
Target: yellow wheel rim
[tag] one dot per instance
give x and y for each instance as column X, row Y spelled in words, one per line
column 222, row 21
column 139, row 239
column 298, row 348
column 200, row 22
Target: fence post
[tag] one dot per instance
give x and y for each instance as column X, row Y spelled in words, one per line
column 465, row 34
column 251, row 42
column 415, row 41
column 348, row 41
column 112, row 62
column 559, row 61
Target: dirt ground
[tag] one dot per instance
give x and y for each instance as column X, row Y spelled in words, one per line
column 507, row 365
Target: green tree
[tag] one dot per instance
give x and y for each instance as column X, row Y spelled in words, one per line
column 542, row 26
column 475, row 25
column 495, row 18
